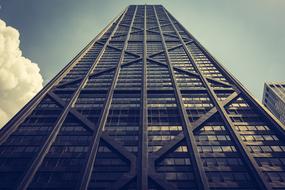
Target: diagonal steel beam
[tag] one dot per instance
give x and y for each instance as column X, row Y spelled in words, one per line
column 132, row 27
column 162, row 51
column 257, row 174
column 122, row 182
column 87, row 124
column 163, row 34
column 102, row 71
column 199, row 172
column 155, row 27
column 119, row 49
column 131, row 62
column 197, row 125
column 139, row 29
column 170, row 35
column 119, row 35
column 121, row 150
column 69, row 82
column 127, row 177
column 166, row 148
column 114, row 67
column 161, row 181
column 92, row 152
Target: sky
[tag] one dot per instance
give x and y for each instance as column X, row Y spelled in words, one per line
column 246, row 36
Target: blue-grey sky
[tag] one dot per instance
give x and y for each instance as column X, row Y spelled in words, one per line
column 246, row 36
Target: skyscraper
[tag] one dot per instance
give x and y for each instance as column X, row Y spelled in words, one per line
column 143, row 106
column 274, row 99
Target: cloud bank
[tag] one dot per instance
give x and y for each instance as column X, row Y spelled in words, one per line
column 20, row 79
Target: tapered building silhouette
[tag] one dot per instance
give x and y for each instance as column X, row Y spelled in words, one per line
column 143, row 106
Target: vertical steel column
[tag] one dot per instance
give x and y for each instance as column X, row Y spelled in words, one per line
column 247, row 157
column 142, row 173
column 190, row 139
column 45, row 148
column 92, row 152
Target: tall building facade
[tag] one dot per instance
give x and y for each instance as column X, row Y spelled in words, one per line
column 274, row 99
column 143, row 106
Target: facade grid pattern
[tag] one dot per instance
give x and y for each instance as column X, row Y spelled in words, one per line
column 143, row 106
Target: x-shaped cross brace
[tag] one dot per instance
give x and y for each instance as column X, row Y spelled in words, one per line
column 117, row 147
column 149, row 58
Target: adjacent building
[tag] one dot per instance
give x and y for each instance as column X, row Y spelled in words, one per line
column 143, row 106
column 274, row 99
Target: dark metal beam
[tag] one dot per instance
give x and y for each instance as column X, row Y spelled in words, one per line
column 170, row 35
column 121, row 150
column 131, row 62
column 87, row 124
column 162, row 51
column 202, row 182
column 122, row 182
column 120, row 50
column 161, row 181
column 126, row 34
column 126, row 178
column 197, row 125
column 155, row 27
column 166, row 148
column 132, row 27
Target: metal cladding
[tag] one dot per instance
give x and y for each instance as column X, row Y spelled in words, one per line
column 143, row 106
column 274, row 99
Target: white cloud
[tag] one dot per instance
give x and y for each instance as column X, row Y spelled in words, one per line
column 20, row 79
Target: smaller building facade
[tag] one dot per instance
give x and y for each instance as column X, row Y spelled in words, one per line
column 274, row 99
